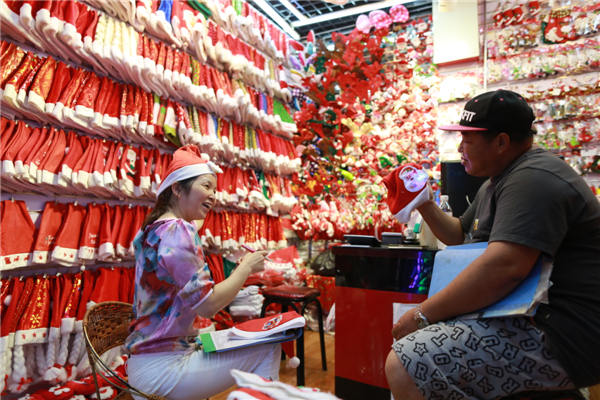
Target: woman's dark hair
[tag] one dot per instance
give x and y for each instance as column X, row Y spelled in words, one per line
column 164, row 200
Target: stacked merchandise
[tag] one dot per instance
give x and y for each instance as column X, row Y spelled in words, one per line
column 247, row 303
column 550, row 54
column 95, row 98
column 369, row 111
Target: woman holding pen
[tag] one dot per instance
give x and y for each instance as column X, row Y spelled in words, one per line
column 173, row 286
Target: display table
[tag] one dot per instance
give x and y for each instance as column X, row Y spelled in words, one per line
column 368, row 281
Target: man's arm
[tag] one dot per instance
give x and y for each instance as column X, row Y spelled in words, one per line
column 486, row 280
column 445, row 227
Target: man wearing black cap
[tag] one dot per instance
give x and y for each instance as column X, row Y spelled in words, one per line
column 533, row 203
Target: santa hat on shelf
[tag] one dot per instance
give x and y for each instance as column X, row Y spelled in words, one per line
column 21, row 135
column 26, row 83
column 89, row 241
column 109, row 232
column 36, row 158
column 75, row 146
column 142, row 178
column 49, row 21
column 32, row 329
column 84, row 105
column 47, row 172
column 23, row 157
column 100, row 165
column 60, row 79
column 83, row 168
column 8, row 129
column 110, row 178
column 67, row 239
column 14, row 56
column 12, row 26
column 17, row 235
column 407, row 189
column 111, row 117
column 101, row 102
column 125, row 232
column 69, row 100
column 14, row 82
column 187, row 163
column 51, row 221
column 66, row 96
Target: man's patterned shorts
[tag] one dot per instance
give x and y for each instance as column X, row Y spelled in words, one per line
column 480, row 359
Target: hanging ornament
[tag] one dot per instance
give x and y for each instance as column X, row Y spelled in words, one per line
column 363, row 24
column 399, row 13
column 379, row 19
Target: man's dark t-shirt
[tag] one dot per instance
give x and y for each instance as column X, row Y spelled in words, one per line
column 539, row 201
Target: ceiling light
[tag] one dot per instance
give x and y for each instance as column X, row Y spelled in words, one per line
column 348, row 12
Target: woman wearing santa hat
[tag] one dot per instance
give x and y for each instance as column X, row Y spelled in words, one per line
column 173, row 286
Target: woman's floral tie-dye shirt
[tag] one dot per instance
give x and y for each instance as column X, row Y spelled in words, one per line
column 171, row 281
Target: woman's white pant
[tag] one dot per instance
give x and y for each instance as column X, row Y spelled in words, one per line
column 197, row 375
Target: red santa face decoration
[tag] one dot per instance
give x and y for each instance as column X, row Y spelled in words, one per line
column 414, row 179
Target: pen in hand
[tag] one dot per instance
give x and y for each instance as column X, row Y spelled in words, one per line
column 251, row 250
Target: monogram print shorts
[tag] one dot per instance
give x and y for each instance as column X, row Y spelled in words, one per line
column 480, row 359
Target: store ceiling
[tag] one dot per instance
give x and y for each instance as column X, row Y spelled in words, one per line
column 325, row 17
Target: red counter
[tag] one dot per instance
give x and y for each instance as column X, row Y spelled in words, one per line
column 368, row 281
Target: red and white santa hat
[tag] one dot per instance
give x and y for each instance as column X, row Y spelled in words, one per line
column 187, row 163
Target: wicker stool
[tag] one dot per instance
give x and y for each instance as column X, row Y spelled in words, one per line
column 105, row 326
column 289, row 296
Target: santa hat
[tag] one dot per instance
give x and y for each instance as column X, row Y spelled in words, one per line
column 24, row 86
column 109, row 231
column 125, row 232
column 17, row 234
column 90, row 240
column 51, row 221
column 25, row 154
column 75, row 145
column 407, row 189
column 187, row 163
column 84, row 108
column 21, row 135
column 100, row 166
column 81, row 171
column 67, row 239
column 61, row 79
column 47, row 172
column 35, row 159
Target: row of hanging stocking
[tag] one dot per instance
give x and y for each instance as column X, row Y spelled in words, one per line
column 42, row 340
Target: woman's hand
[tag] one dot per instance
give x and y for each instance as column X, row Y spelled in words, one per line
column 405, row 325
column 254, row 261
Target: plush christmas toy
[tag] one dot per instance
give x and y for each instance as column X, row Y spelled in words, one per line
column 407, row 189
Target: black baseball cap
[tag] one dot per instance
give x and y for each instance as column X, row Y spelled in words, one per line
column 497, row 111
